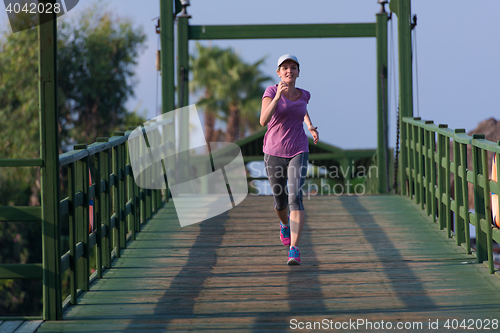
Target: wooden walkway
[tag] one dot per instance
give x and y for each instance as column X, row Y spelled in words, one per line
column 372, row 258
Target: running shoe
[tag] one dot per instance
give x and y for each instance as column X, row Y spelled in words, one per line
column 294, row 256
column 285, row 233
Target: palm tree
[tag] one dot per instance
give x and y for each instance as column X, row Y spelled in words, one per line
column 231, row 86
column 206, row 74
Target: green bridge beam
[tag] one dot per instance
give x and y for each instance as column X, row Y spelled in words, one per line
column 281, row 31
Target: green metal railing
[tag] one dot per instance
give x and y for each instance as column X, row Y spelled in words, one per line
column 120, row 209
column 429, row 170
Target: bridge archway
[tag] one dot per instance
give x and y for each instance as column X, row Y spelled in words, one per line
column 187, row 32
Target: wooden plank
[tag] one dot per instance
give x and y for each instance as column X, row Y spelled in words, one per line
column 368, row 257
column 10, row 326
column 29, row 326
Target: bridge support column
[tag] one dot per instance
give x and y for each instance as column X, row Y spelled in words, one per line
column 382, row 110
column 49, row 153
column 402, row 8
column 167, row 70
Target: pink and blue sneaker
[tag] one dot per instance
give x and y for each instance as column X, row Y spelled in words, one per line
column 285, row 233
column 293, row 256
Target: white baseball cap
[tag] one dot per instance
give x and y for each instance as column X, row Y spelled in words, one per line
column 285, row 57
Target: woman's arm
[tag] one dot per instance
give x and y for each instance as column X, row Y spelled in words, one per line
column 269, row 104
column 267, row 110
column 311, row 128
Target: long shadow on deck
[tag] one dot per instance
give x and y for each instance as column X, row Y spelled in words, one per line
column 303, row 287
column 179, row 299
column 382, row 246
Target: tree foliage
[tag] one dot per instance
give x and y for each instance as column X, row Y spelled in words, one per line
column 96, row 61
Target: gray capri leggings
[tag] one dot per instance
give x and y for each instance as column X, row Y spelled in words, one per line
column 279, row 171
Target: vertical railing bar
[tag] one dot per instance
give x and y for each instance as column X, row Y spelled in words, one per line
column 487, row 208
column 447, row 183
column 440, row 181
column 142, row 191
column 432, row 161
column 481, row 242
column 98, row 213
column 72, row 220
column 421, row 163
column 82, row 220
column 116, row 202
column 460, row 223
column 408, row 143
column 415, row 133
column 130, row 192
column 105, row 203
column 135, row 188
column 121, row 192
column 428, row 198
column 465, row 196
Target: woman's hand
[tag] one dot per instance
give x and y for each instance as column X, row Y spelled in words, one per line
column 282, row 86
column 314, row 133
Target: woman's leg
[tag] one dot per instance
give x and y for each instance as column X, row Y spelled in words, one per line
column 276, row 168
column 297, row 171
column 297, row 219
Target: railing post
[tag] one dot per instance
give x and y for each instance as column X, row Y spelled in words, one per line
column 487, row 209
column 98, row 213
column 130, row 191
column 136, row 191
column 459, row 220
column 421, row 167
column 116, row 201
column 382, row 93
column 72, row 220
column 429, row 186
column 465, row 194
column 410, row 146
column 417, row 178
column 433, row 164
column 49, row 153
column 121, row 190
column 442, row 180
column 481, row 243
column 82, row 218
column 104, row 200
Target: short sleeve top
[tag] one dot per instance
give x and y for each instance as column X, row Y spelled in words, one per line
column 285, row 136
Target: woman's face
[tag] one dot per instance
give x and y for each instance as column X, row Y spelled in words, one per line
column 288, row 71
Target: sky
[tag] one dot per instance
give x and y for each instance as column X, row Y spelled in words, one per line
column 457, row 56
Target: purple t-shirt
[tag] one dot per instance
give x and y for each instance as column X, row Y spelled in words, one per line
column 285, row 136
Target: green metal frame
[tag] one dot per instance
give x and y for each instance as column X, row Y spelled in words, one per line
column 429, row 170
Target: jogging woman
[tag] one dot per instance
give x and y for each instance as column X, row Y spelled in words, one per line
column 286, row 150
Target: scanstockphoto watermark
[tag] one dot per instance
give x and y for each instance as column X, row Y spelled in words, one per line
column 336, row 180
column 27, row 14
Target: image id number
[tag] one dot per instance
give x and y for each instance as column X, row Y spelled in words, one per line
column 33, row 8
column 471, row 324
